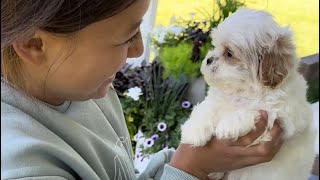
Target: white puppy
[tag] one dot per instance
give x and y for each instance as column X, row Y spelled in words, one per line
column 254, row 67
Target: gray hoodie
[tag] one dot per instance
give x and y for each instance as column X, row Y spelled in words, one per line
column 77, row 140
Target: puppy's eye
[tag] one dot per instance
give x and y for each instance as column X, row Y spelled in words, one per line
column 229, row 53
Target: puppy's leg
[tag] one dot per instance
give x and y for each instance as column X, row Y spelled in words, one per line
column 198, row 129
column 234, row 125
column 231, row 126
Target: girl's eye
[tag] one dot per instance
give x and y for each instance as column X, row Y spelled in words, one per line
column 136, row 36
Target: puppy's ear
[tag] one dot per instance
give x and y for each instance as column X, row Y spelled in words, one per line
column 276, row 62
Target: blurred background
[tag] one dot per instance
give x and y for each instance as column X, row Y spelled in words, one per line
column 159, row 89
column 302, row 16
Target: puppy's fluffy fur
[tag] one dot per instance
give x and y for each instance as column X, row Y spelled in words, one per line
column 254, row 67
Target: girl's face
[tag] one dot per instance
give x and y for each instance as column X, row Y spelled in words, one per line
column 83, row 66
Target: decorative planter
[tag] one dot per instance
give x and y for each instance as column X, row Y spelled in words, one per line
column 196, row 91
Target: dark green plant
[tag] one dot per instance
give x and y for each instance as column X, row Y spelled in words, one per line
column 164, row 91
column 313, row 91
column 170, row 138
column 176, row 60
column 160, row 102
column 133, row 113
column 133, row 110
column 164, row 106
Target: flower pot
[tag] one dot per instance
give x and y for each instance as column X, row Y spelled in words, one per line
column 196, row 91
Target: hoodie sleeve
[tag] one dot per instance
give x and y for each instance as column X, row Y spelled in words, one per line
column 159, row 169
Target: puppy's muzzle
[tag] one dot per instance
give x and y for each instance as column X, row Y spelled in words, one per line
column 211, row 59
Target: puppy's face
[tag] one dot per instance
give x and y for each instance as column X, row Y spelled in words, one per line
column 250, row 50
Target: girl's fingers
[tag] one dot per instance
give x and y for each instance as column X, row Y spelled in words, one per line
column 255, row 156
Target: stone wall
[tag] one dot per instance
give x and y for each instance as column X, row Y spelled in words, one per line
column 309, row 67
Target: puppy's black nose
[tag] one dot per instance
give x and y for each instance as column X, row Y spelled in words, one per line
column 209, row 60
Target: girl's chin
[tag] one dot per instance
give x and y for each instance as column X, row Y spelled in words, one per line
column 102, row 91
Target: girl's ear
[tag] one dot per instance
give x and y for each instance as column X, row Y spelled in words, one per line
column 30, row 50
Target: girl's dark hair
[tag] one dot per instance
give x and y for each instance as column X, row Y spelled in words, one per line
column 19, row 18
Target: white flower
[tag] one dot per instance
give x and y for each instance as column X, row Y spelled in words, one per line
column 176, row 30
column 134, row 93
column 192, row 15
column 155, row 137
column 136, row 137
column 162, row 126
column 186, row 104
column 172, row 19
column 148, row 142
column 159, row 32
column 161, row 37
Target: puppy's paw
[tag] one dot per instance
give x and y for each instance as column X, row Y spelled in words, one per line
column 196, row 133
column 236, row 124
column 216, row 176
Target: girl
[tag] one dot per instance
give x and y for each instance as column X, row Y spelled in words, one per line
column 60, row 116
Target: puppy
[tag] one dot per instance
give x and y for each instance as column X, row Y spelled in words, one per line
column 254, row 67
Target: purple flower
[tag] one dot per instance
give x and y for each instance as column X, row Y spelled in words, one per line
column 186, row 104
column 136, row 137
column 155, row 137
column 138, row 155
column 149, row 142
column 162, row 126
